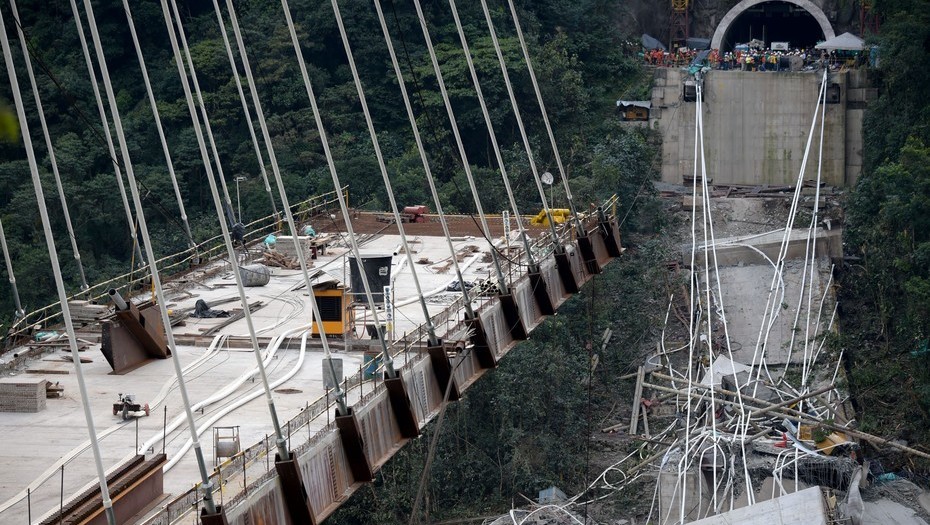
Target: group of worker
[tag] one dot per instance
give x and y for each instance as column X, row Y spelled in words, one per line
column 743, row 60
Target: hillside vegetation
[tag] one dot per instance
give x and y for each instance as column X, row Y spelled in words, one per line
column 579, row 59
column 885, row 289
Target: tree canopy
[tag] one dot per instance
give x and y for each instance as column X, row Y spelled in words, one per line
column 580, row 63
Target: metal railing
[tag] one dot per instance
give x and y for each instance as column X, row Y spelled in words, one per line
column 174, row 264
column 247, row 470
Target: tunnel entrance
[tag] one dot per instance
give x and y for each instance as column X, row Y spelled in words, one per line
column 800, row 23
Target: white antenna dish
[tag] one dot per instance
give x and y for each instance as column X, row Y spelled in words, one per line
column 547, row 178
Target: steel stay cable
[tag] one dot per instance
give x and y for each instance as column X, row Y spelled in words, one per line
column 493, row 136
column 463, row 156
column 206, row 119
column 105, row 139
column 103, row 119
column 11, row 276
column 224, row 228
column 683, row 481
column 143, row 228
column 48, row 144
column 545, row 116
column 282, row 193
column 520, row 125
column 770, row 305
column 245, row 110
column 813, row 227
column 56, row 271
column 161, row 132
column 424, row 160
column 388, row 359
column 433, row 340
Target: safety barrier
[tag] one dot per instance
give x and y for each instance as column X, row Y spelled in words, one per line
column 174, row 264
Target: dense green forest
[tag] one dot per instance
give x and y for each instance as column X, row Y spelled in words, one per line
column 524, row 431
column 885, row 289
column 581, row 62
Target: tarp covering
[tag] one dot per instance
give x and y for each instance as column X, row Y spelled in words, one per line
column 698, row 43
column 844, row 42
column 651, row 42
column 701, row 58
column 635, row 103
column 203, row 311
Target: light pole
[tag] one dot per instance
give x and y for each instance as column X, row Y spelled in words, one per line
column 238, row 202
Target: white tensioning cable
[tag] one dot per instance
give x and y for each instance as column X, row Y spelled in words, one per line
column 353, row 243
column 56, row 271
column 282, row 193
column 545, row 117
column 237, row 274
column 48, row 144
column 207, row 485
column 10, row 275
column 424, row 160
column 158, row 126
column 501, row 283
column 106, row 132
column 520, row 126
column 433, row 340
column 494, row 145
column 245, row 109
column 206, row 119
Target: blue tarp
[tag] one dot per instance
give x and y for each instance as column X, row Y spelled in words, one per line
column 650, row 42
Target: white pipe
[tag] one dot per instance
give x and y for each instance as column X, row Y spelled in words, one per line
column 178, row 454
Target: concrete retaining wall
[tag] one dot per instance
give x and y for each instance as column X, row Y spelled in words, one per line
column 756, row 126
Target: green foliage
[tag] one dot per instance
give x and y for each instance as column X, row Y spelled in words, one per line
column 885, row 295
column 524, row 425
column 577, row 56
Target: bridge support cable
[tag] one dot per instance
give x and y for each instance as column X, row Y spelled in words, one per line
column 353, row 243
column 19, row 313
column 469, row 312
column 501, row 282
column 812, row 236
column 772, row 306
column 743, row 422
column 48, row 144
column 491, row 133
column 237, row 271
column 433, row 340
column 545, row 116
column 203, row 107
column 693, row 326
column 130, row 221
column 158, row 126
column 207, row 485
column 282, row 194
column 56, row 271
column 246, row 112
column 526, row 141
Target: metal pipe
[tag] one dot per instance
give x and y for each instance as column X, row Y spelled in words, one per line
column 117, row 300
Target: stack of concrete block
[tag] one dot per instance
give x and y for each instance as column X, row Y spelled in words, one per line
column 87, row 312
column 285, row 246
column 22, row 394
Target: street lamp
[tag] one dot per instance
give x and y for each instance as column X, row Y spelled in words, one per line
column 548, row 179
column 239, row 202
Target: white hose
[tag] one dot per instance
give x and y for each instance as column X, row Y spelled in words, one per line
column 179, row 454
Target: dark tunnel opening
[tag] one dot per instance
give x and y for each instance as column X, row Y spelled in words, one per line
column 774, row 22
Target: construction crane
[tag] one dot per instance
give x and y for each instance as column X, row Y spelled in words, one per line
column 678, row 23
column 869, row 20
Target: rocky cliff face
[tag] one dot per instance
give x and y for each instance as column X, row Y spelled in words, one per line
column 652, row 16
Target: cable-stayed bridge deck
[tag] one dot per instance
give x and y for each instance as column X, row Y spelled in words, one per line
column 220, row 371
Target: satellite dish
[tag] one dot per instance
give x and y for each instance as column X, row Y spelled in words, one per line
column 547, row 178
